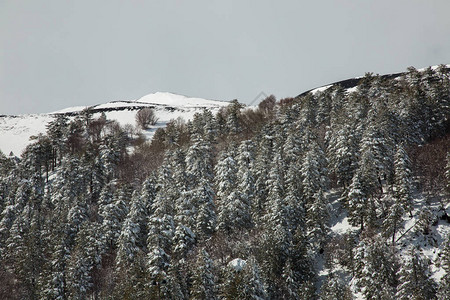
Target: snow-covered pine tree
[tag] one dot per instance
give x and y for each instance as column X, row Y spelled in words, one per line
column 161, row 230
column 130, row 240
column 199, row 162
column 233, row 123
column 444, row 284
column 264, row 157
column 277, row 237
column 185, row 213
column 77, row 214
column 254, row 285
column 130, row 265
column 57, row 131
column 376, row 270
column 148, row 193
column 113, row 214
column 314, row 185
column 335, row 288
column 85, row 256
column 205, row 218
column 342, row 153
column 447, row 173
column 242, row 280
column 415, row 280
column 233, row 213
column 23, row 256
column 292, row 154
column 372, row 163
column 393, row 222
column 203, row 282
column 402, row 179
column 211, row 127
column 246, row 176
column 291, row 286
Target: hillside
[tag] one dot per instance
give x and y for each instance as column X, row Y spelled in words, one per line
column 15, row 131
column 340, row 193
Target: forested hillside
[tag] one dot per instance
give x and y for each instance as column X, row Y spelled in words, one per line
column 336, row 194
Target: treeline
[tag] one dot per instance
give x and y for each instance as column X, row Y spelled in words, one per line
column 235, row 205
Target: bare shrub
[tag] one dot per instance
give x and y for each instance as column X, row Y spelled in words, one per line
column 146, row 117
column 267, row 105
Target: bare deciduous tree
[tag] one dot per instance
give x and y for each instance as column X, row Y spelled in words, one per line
column 146, row 117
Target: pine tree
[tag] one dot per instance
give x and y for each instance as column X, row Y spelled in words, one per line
column 204, row 281
column 254, row 287
column 402, row 179
column 206, row 218
column 447, row 173
column 314, row 184
column 85, row 256
column 130, row 239
column 243, row 281
column 376, row 272
column 233, row 123
column 161, row 231
column 184, row 236
column 263, row 161
column 233, row 213
column 277, row 238
column 335, row 288
column 148, row 193
column 57, row 131
column 342, row 153
column 415, row 280
column 55, row 286
column 358, row 203
column 444, row 285
column 290, row 282
column 113, row 215
column 317, row 220
column 293, row 181
column 23, row 254
column 394, row 220
column 198, row 163
column 246, row 176
column 185, row 207
column 313, row 172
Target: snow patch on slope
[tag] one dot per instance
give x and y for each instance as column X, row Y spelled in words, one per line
column 177, row 100
column 15, row 131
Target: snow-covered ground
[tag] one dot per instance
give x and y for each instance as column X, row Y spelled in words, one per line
column 15, row 131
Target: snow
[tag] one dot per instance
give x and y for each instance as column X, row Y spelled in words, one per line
column 352, row 90
column 70, row 110
column 321, row 89
column 237, row 264
column 342, row 227
column 432, row 67
column 118, row 104
column 15, row 131
column 178, row 100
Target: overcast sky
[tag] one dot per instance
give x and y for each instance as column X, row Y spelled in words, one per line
column 56, row 54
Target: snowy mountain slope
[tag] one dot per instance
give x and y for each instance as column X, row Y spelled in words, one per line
column 430, row 245
column 351, row 83
column 15, row 131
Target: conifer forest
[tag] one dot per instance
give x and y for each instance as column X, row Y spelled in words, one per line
column 340, row 193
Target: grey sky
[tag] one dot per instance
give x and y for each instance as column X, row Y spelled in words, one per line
column 56, row 54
